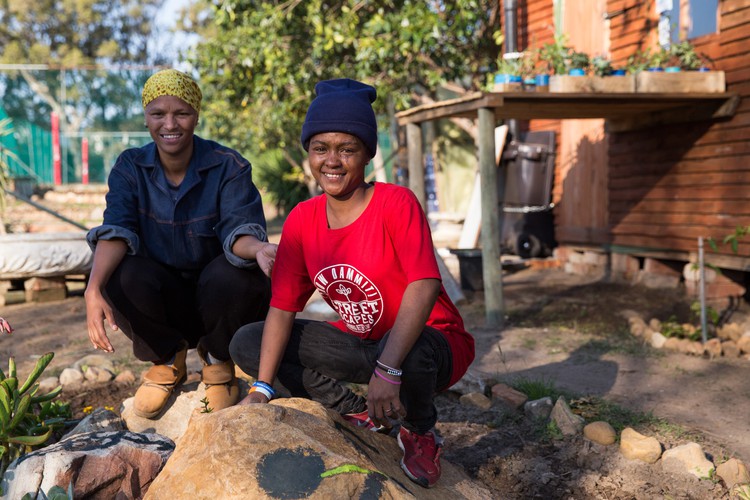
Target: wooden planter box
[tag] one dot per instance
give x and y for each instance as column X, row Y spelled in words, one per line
column 508, row 87
column 596, row 84
column 681, row 82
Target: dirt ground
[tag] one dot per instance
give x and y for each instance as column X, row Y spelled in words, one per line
column 563, row 330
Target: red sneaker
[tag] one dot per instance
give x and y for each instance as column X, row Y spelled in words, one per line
column 421, row 460
column 362, row 419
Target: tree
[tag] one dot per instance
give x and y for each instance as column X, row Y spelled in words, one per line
column 259, row 60
column 76, row 40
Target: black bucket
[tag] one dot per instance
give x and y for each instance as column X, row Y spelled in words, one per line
column 470, row 268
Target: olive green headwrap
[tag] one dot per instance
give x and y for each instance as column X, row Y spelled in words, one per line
column 174, row 83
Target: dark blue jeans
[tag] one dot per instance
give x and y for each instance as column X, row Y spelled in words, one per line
column 157, row 307
column 320, row 356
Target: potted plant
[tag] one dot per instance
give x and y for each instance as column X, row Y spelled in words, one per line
column 681, row 76
column 570, row 68
column 684, row 56
column 508, row 77
column 605, row 79
column 555, row 56
column 659, row 60
column 638, row 61
column 578, row 63
column 601, row 66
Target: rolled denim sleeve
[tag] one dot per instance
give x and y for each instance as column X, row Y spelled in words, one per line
column 120, row 217
column 246, row 229
column 110, row 232
column 241, row 214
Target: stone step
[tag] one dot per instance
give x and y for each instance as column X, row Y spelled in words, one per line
column 83, row 204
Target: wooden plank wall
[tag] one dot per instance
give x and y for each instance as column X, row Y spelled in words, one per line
column 536, row 27
column 579, row 189
column 670, row 185
column 581, row 217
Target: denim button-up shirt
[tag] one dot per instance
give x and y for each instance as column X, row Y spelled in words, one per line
column 188, row 226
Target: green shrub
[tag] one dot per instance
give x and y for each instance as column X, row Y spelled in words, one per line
column 27, row 420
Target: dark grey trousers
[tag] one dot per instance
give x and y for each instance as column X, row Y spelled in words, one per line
column 320, row 356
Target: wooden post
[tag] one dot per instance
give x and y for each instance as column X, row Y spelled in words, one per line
column 490, row 236
column 416, row 163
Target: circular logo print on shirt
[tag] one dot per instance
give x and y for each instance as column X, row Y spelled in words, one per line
column 356, row 299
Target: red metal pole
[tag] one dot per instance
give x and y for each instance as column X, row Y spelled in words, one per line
column 56, row 157
column 85, row 160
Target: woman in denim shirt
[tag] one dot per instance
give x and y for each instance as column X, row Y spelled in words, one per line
column 182, row 258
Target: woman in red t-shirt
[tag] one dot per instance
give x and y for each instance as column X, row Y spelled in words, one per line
column 367, row 249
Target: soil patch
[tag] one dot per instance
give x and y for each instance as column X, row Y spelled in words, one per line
column 562, row 330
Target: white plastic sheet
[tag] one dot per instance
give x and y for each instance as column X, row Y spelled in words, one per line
column 44, row 255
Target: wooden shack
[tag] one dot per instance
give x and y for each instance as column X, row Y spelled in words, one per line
column 639, row 179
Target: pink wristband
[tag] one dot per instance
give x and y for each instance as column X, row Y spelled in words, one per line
column 386, row 379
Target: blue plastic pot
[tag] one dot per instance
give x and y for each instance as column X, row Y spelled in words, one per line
column 505, row 78
column 576, row 72
column 542, row 80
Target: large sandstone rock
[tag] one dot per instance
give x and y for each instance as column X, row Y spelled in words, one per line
column 100, row 465
column 173, row 421
column 292, row 448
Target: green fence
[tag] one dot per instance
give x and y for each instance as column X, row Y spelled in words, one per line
column 101, row 107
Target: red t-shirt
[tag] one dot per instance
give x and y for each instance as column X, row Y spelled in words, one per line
column 363, row 269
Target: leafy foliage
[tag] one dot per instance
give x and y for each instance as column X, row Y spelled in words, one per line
column 601, row 66
column 260, row 59
column 640, row 61
column 27, row 420
column 578, row 60
column 685, row 55
column 76, row 33
column 733, row 239
column 76, row 39
column 283, row 182
column 556, row 55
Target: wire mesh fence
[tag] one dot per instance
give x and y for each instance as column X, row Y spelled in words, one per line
column 69, row 125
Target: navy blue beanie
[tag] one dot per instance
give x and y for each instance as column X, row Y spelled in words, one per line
column 342, row 105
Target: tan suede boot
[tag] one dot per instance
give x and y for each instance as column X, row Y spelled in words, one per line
column 222, row 389
column 158, row 383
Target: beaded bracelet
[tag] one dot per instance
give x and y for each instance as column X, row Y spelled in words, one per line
column 395, row 372
column 394, row 382
column 264, row 389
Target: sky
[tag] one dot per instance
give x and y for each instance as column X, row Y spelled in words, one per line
column 170, row 41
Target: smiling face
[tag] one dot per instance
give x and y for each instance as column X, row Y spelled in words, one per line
column 171, row 123
column 338, row 161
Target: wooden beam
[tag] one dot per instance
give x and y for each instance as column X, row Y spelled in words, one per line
column 625, row 110
column 492, row 272
column 698, row 111
column 416, row 162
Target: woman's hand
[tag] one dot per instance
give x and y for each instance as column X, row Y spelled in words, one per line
column 5, row 327
column 266, row 257
column 383, row 402
column 254, row 397
column 97, row 311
